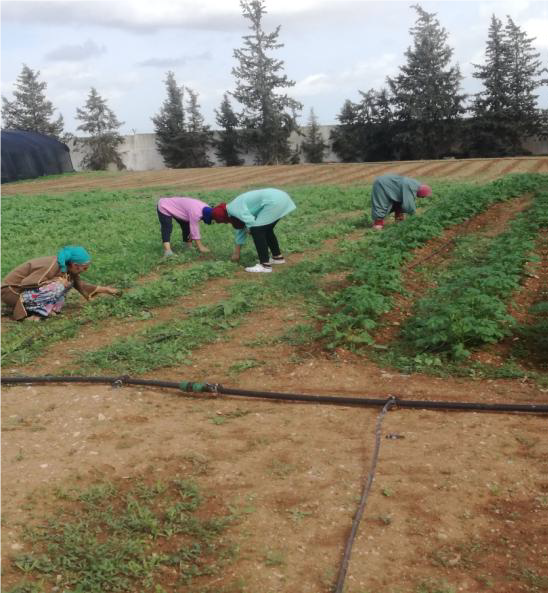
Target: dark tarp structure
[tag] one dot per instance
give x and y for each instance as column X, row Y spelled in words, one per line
column 26, row 155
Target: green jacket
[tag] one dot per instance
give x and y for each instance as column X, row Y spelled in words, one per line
column 391, row 189
column 258, row 208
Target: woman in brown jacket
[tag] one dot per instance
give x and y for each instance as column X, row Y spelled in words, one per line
column 36, row 289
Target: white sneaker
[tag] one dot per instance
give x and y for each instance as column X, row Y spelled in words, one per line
column 280, row 260
column 258, row 268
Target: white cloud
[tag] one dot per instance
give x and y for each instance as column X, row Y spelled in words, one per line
column 372, row 72
column 138, row 15
column 69, row 76
column 538, row 28
column 514, row 8
column 145, row 16
column 312, row 85
column 363, row 75
column 173, row 62
column 7, row 87
column 76, row 53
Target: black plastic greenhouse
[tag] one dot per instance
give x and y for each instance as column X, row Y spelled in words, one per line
column 26, row 155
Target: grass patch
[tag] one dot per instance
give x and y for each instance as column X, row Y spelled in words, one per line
column 146, row 536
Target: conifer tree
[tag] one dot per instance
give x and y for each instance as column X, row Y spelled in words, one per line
column 505, row 112
column 268, row 118
column 196, row 137
column 523, row 79
column 346, row 138
column 30, row 110
column 314, row 145
column 169, row 124
column 229, row 143
column 182, row 137
column 102, row 140
column 425, row 94
column 490, row 129
column 376, row 117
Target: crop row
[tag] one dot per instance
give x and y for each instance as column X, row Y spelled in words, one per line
column 171, row 343
column 23, row 342
column 469, row 306
column 352, row 313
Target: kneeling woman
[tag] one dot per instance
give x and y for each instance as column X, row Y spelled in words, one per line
column 37, row 288
column 259, row 211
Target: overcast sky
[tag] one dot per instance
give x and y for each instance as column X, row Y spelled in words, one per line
column 332, row 48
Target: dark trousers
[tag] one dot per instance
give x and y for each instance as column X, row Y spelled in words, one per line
column 265, row 239
column 396, row 209
column 166, row 226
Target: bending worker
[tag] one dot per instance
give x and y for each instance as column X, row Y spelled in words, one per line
column 394, row 193
column 258, row 212
column 187, row 212
column 36, row 289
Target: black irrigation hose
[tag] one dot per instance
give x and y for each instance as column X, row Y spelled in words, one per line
column 391, row 402
column 365, row 494
column 218, row 389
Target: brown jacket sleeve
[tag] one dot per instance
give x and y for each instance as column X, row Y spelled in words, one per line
column 87, row 290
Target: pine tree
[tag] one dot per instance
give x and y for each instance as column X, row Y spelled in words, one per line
column 346, row 138
column 376, row 116
column 267, row 118
column 523, row 79
column 229, row 143
column 103, row 139
column 426, row 93
column 182, row 141
column 169, row 124
column 505, row 112
column 314, row 145
column 196, row 137
column 30, row 110
column 491, row 129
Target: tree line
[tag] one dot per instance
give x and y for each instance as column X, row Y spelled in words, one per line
column 421, row 113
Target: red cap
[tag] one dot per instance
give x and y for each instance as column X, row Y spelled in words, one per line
column 219, row 213
column 424, row 191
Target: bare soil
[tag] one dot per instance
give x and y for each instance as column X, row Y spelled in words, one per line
column 459, row 500
column 280, row 175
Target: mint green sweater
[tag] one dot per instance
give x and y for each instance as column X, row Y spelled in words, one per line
column 258, row 208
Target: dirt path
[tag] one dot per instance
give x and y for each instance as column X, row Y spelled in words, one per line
column 457, row 499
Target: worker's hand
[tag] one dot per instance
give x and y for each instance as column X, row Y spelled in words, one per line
column 64, row 281
column 109, row 290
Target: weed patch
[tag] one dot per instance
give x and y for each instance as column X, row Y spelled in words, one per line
column 113, row 538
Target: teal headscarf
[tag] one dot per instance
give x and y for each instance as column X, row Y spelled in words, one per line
column 72, row 254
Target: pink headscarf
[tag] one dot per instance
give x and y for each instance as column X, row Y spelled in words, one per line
column 424, row 191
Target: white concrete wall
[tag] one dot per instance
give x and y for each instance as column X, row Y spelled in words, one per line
column 139, row 152
column 536, row 146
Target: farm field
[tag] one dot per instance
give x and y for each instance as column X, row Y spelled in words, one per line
column 281, row 175
column 144, row 489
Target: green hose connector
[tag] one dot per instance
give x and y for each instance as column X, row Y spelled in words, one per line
column 189, row 386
